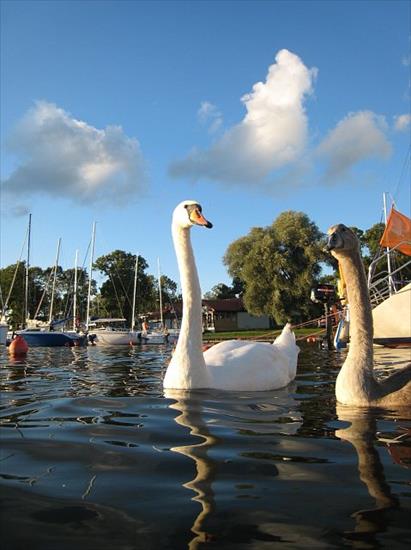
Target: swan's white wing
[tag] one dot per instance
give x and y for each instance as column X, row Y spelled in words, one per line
column 250, row 366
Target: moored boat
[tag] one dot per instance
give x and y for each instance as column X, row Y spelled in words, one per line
column 390, row 286
column 46, row 337
column 112, row 332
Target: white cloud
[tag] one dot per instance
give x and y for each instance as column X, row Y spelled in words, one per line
column 272, row 134
column 64, row 157
column 402, row 122
column 358, row 137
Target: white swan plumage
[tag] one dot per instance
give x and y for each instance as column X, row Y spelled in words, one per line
column 356, row 384
column 231, row 365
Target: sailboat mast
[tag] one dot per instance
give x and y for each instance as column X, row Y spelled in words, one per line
column 389, row 269
column 133, row 315
column 75, row 291
column 93, row 241
column 54, row 281
column 160, row 293
column 26, row 289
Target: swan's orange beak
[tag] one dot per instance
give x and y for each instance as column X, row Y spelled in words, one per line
column 198, row 218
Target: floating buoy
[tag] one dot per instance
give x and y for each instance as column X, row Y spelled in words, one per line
column 18, row 346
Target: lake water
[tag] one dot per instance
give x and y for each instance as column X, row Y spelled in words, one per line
column 94, row 455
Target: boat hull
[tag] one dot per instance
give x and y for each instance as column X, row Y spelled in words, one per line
column 392, row 317
column 159, row 337
column 115, row 338
column 50, row 339
column 393, row 342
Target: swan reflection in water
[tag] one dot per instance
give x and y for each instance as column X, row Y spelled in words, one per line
column 190, row 417
column 214, row 476
column 362, row 434
column 194, row 408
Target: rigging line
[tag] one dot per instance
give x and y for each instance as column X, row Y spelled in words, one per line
column 68, row 298
column 103, row 240
column 127, row 297
column 117, row 298
column 44, row 293
column 121, row 284
column 402, row 173
column 4, row 305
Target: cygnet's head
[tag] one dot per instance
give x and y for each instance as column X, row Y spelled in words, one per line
column 342, row 240
column 189, row 213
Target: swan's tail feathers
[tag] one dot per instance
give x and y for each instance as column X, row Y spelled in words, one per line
column 286, row 338
column 285, row 343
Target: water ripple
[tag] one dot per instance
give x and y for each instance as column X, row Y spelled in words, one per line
column 96, row 454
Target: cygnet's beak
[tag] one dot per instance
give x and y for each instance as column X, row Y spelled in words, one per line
column 198, row 218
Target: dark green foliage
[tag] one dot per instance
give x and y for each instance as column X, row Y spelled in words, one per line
column 220, row 292
column 278, row 266
column 116, row 293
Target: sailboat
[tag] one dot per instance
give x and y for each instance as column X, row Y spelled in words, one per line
column 158, row 333
column 112, row 331
column 44, row 334
column 390, row 291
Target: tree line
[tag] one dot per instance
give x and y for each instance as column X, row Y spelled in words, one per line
column 112, row 299
column 273, row 269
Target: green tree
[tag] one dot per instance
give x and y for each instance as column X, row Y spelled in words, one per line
column 168, row 290
column 65, row 292
column 221, row 291
column 278, row 265
column 116, row 293
column 15, row 304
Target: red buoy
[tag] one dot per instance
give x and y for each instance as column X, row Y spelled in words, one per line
column 18, row 346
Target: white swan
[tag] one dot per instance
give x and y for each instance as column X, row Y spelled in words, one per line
column 356, row 384
column 231, row 365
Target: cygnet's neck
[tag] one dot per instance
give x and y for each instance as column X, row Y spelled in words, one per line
column 355, row 382
column 361, row 322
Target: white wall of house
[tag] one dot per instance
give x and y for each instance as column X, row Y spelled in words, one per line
column 249, row 322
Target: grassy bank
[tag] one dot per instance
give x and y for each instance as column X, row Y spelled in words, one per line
column 251, row 334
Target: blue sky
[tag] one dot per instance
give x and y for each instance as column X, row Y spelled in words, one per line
column 117, row 111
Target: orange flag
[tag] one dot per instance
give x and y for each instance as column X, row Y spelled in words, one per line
column 397, row 230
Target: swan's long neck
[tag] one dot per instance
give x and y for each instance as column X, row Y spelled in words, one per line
column 190, row 287
column 355, row 382
column 188, row 356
